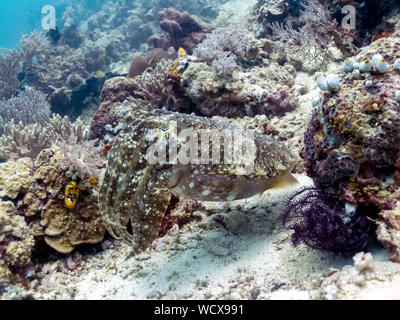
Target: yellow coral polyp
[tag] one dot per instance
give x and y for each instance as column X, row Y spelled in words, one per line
column 93, row 181
column 71, row 195
column 182, row 53
column 353, row 186
column 174, row 69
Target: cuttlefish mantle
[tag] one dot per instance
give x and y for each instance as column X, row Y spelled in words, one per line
column 136, row 190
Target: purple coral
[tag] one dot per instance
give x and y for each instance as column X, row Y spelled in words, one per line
column 223, row 47
column 324, row 225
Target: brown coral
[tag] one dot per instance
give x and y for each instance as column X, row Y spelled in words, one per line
column 183, row 30
column 354, row 159
column 32, row 208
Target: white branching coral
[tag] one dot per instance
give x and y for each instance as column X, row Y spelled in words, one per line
column 31, row 54
column 310, row 43
column 223, row 48
column 21, row 140
column 82, row 160
column 29, row 107
column 154, row 88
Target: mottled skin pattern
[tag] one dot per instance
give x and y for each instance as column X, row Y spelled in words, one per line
column 136, row 192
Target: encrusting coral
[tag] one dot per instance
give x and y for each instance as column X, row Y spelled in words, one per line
column 352, row 144
column 182, row 30
column 16, row 237
column 257, row 90
column 32, row 208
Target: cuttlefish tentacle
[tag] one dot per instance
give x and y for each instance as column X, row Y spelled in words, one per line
column 137, row 192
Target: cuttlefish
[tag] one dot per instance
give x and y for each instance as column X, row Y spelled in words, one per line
column 161, row 152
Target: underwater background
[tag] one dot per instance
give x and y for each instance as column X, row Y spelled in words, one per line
column 88, row 87
column 23, row 16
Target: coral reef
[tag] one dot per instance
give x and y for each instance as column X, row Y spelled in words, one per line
column 258, row 90
column 32, row 208
column 19, row 140
column 16, row 237
column 304, row 32
column 28, row 107
column 352, row 143
column 224, row 47
column 312, row 41
column 182, row 30
column 22, row 62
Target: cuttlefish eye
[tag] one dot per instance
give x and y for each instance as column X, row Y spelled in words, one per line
column 165, row 129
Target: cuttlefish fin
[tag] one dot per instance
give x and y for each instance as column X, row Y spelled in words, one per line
column 284, row 180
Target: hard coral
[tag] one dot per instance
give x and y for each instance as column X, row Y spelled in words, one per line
column 16, row 241
column 32, row 51
column 324, row 225
column 33, row 191
column 224, row 48
column 353, row 141
column 30, row 106
column 183, row 30
column 20, row 141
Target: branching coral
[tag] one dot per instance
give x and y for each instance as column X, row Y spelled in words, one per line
column 310, row 43
column 324, row 225
column 83, row 160
column 62, row 129
column 34, row 49
column 29, row 107
column 224, row 47
column 30, row 55
column 9, row 66
column 20, row 141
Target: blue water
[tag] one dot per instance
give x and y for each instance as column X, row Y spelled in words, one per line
column 19, row 17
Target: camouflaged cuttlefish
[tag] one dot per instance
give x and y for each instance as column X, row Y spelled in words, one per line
column 136, row 189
